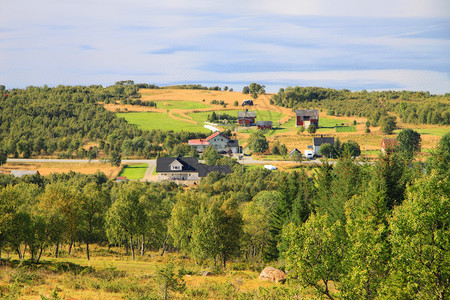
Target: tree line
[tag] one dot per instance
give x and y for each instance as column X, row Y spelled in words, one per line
column 62, row 120
column 373, row 231
column 412, row 107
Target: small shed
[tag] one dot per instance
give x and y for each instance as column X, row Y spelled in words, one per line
column 388, row 145
column 295, row 150
column 264, row 124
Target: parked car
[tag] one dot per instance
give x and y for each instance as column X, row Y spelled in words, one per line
column 309, row 154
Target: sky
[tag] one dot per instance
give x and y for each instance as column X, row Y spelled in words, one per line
column 351, row 44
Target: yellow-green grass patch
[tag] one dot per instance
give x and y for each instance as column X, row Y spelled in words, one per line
column 176, row 104
column 162, row 121
column 134, row 171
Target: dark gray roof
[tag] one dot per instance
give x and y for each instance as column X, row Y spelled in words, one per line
column 307, row 112
column 204, row 170
column 20, row 173
column 263, row 123
column 294, row 150
column 233, row 143
column 246, row 114
column 319, row 141
column 190, row 164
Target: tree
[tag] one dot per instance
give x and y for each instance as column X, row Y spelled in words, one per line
column 315, row 252
column 257, row 142
column 325, row 149
column 217, row 230
column 312, row 129
column 350, row 148
column 93, row 207
column 126, row 218
column 388, row 124
column 408, row 142
column 169, row 281
column 283, row 150
column 211, row 156
column 115, row 158
column 3, row 156
column 246, row 90
column 420, row 240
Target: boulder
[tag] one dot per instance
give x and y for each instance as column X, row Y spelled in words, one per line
column 272, row 274
column 206, row 273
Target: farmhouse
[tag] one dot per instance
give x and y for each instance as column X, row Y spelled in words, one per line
column 220, row 142
column 185, row 168
column 20, row 173
column 306, row 117
column 246, row 118
column 264, row 124
column 388, row 145
column 317, row 142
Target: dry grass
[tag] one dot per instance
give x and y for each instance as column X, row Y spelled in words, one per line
column 46, row 168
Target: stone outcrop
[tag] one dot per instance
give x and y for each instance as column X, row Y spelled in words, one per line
column 272, row 274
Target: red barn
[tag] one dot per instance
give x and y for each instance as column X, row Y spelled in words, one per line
column 246, row 118
column 264, row 124
column 306, row 117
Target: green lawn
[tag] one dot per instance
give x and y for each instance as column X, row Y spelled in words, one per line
column 329, row 123
column 345, row 129
column 168, row 105
column 153, row 120
column 134, row 171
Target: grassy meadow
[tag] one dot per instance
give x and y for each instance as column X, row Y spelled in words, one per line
column 112, row 274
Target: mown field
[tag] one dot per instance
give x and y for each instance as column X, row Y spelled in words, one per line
column 188, row 110
column 134, row 171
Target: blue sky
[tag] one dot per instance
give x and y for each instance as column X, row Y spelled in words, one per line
column 353, row 44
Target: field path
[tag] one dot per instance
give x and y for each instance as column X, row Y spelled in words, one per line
column 171, row 114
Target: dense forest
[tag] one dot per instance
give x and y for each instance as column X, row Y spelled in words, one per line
column 373, row 231
column 64, row 119
column 412, row 107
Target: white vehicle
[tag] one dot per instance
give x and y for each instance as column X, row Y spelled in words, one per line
column 309, row 154
column 270, row 167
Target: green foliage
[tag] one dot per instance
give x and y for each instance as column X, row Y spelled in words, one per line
column 421, row 241
column 388, row 124
column 115, row 158
column 169, row 281
column 211, row 156
column 315, row 252
column 257, row 142
column 3, row 156
column 350, row 148
column 408, row 142
column 312, row 129
column 325, row 149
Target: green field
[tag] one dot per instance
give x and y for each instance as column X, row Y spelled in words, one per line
column 152, row 120
column 345, row 129
column 330, row 123
column 261, row 115
column 430, row 131
column 168, row 105
column 134, row 171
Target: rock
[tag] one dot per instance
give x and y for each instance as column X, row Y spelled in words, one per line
column 206, row 273
column 272, row 274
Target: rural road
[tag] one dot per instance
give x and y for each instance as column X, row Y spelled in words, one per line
column 150, row 162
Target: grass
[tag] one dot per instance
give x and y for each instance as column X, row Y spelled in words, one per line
column 328, row 122
column 168, row 105
column 345, row 129
column 440, row 131
column 153, row 120
column 134, row 171
column 112, row 274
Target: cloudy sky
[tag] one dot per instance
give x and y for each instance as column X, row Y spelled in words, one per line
column 353, row 44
